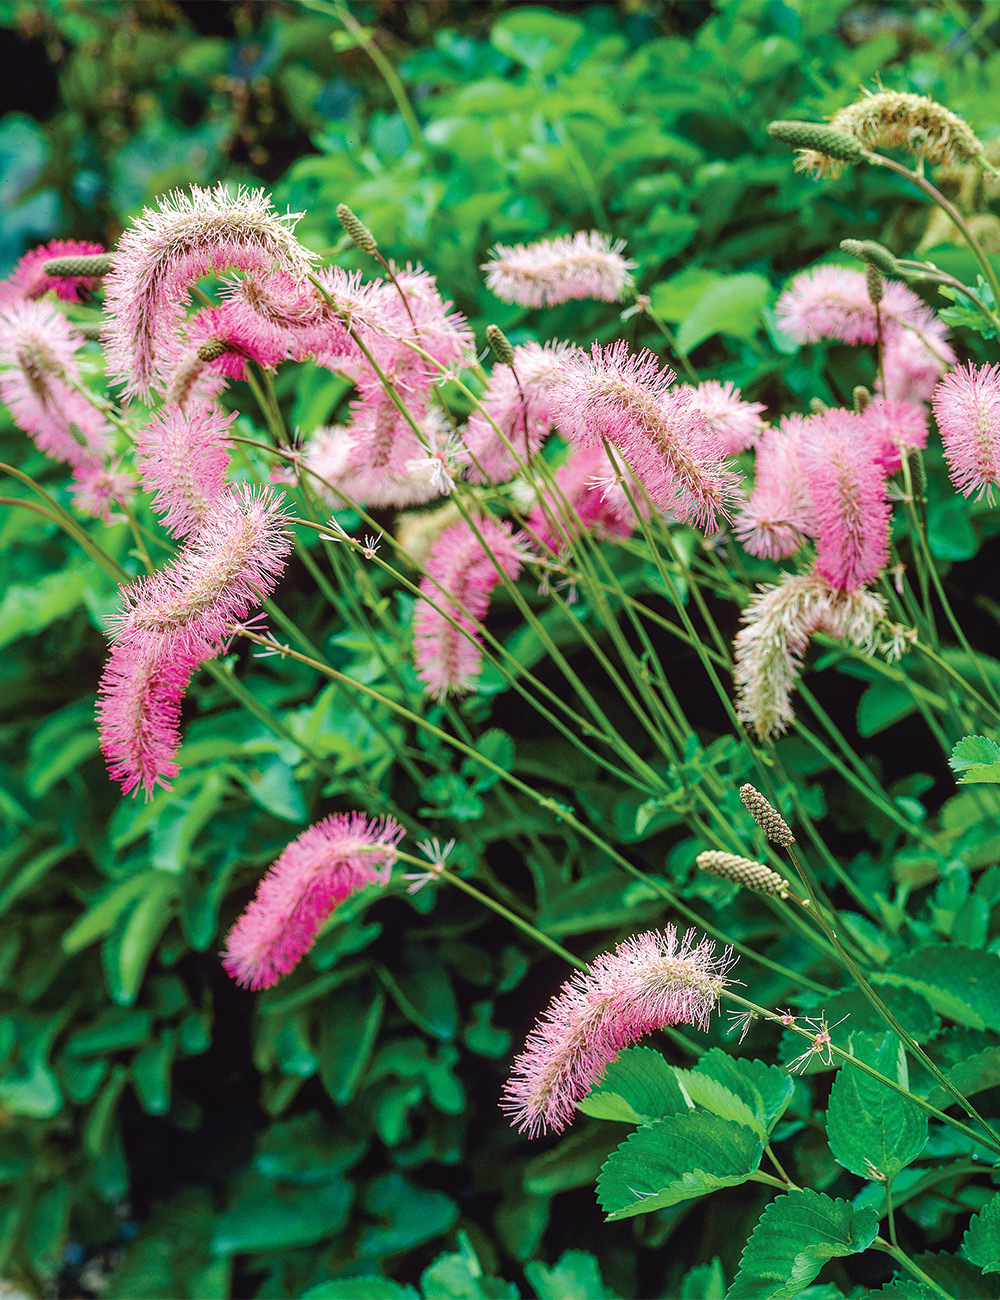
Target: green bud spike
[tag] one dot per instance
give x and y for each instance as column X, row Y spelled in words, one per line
column 867, row 250
column 918, row 472
column 356, row 228
column 90, row 329
column 862, row 398
column 501, row 344
column 820, row 138
column 95, row 265
column 873, row 280
column 212, row 349
column 743, row 871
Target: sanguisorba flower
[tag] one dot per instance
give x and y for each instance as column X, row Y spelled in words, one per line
column 329, row 862
column 460, row 580
column 519, row 402
column 586, row 264
column 831, row 302
column 183, row 455
column 39, row 348
column 28, row 279
column 168, row 249
column 177, row 618
column 737, row 422
column 779, row 515
column 588, row 495
column 628, row 400
column 650, row 980
column 967, row 409
column 846, row 478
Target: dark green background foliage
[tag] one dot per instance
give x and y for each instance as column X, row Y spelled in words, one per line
column 198, row 1141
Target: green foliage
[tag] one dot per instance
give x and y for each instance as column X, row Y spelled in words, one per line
column 873, row 1131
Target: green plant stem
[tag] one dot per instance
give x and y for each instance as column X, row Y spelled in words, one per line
column 986, row 1140
column 901, row 1258
column 890, row 1215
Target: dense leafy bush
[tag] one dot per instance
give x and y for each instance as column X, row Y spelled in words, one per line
column 211, row 1142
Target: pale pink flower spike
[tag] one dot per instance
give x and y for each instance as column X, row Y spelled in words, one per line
column 967, row 409
column 584, row 265
column 329, row 862
column 649, row 981
column 28, row 279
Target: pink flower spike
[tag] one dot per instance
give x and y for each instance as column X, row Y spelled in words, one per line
column 895, row 428
column 329, row 862
column 461, row 577
column 97, row 487
column 737, row 423
column 592, row 489
column 40, row 348
column 166, row 251
column 675, row 454
column 967, row 410
column 779, row 515
column 28, row 280
column 584, row 265
column 831, row 302
column 519, row 403
column 650, row 980
column 914, row 362
column 847, row 483
column 182, row 457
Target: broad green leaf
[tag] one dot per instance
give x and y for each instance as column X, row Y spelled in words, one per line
column 346, row 1039
column 675, row 298
column 959, row 983
column 976, row 758
column 882, row 704
column 974, row 1074
column 676, row 1159
column 575, row 1276
column 797, row 1233
column 129, row 945
column 538, row 38
column 108, row 904
column 956, row 1275
column 28, row 609
column 639, row 1086
column 870, row 1127
column 704, row 1282
column 267, row 1217
column 151, row 1073
column 411, row 1214
column 460, row 1276
column 981, row 1243
column 424, row 993
column 575, row 1162
column 749, row 1092
column 46, row 1229
column 950, row 534
column 729, row 306
column 31, row 873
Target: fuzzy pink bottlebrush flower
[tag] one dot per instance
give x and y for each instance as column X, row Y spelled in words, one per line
column 430, row 473
column 737, row 422
column 166, row 251
column 895, row 428
column 584, row 265
column 847, row 484
column 914, row 362
column 183, row 455
column 97, row 487
column 428, row 320
column 216, row 346
column 967, row 409
column 597, row 503
column 39, row 346
column 329, row 862
column 650, row 980
column 831, row 302
column 779, row 514
column 174, row 620
column 519, row 403
column 626, row 398
column 778, row 623
column 28, row 280
column 461, row 577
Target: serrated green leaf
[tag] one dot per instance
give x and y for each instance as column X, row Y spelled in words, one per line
column 974, row 1074
column 959, row 983
column 676, row 1159
column 750, row 1092
column 704, row 1282
column 977, row 758
column 639, row 1086
column 981, row 1243
column 867, row 1124
column 797, row 1233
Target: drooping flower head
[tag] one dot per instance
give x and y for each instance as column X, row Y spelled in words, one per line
column 461, row 578
column 584, row 265
column 216, row 345
column 831, row 302
column 737, row 422
column 28, row 279
column 588, row 496
column 96, row 488
column 778, row 623
column 329, row 862
column 183, row 455
column 40, row 348
column 893, row 119
column 168, row 249
column 779, row 515
column 627, row 399
column 967, row 409
column 177, row 618
column 846, row 479
column 649, row 981
column 519, row 402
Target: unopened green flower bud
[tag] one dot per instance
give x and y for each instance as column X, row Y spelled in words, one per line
column 862, row 399
column 90, row 329
column 94, row 265
column 875, row 254
column 212, row 349
column 356, row 228
column 820, row 138
column 766, row 815
column 873, row 280
column 502, row 347
column 918, row 472
column 743, row 871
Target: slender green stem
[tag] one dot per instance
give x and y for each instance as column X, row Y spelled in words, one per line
column 901, row 1258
